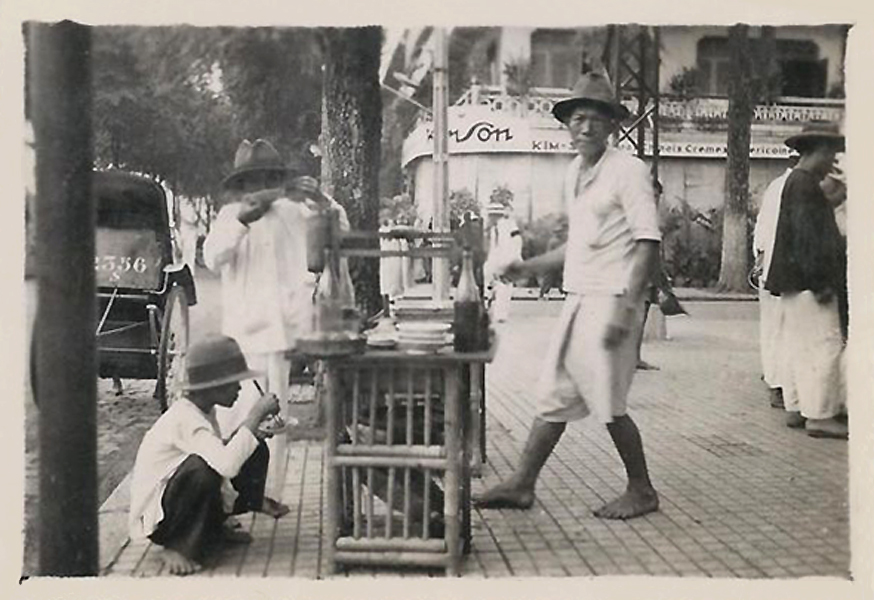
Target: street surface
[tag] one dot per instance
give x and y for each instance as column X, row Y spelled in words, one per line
column 741, row 495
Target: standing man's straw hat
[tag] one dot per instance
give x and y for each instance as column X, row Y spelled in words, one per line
column 816, row 132
column 259, row 155
column 592, row 89
column 216, row 361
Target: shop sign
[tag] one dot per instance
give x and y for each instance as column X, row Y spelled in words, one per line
column 493, row 133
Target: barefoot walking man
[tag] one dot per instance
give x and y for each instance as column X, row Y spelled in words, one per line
column 610, row 255
column 187, row 480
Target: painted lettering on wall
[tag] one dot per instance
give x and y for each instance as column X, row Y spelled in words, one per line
column 482, row 131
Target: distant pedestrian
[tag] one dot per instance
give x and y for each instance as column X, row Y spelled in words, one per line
column 808, row 272
column 503, row 245
column 609, row 258
column 187, row 480
column 771, row 319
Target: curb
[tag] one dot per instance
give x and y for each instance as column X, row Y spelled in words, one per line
column 112, row 524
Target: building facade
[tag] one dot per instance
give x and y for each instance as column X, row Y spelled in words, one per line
column 501, row 132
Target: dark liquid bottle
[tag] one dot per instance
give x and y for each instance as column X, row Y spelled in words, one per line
column 468, row 309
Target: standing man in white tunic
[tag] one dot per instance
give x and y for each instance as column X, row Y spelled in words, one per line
column 609, row 259
column 258, row 245
column 770, row 309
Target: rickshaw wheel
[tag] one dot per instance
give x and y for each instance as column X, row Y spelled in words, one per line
column 172, row 348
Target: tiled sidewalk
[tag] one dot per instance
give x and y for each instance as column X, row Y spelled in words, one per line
column 741, row 495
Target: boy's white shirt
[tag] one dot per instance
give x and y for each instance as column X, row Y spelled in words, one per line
column 180, row 432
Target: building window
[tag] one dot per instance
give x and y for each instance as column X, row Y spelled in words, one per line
column 713, row 65
column 556, row 59
column 802, row 72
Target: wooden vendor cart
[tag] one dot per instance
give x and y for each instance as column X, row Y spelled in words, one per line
column 402, row 432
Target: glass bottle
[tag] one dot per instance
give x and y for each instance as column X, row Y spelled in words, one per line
column 328, row 309
column 346, row 298
column 468, row 308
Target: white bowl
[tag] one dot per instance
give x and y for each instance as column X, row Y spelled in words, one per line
column 424, row 328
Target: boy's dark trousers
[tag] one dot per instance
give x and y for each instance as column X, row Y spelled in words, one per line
column 192, row 503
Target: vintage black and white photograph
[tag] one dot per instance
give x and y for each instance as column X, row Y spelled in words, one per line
column 431, row 301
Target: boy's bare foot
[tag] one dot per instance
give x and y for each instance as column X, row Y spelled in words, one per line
column 275, row 509
column 633, row 503
column 177, row 564
column 505, row 495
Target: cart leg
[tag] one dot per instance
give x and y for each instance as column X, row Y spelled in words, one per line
column 332, row 482
column 454, row 452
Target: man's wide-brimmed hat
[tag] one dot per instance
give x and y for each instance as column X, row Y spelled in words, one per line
column 259, row 155
column 215, row 361
column 816, row 131
column 592, row 89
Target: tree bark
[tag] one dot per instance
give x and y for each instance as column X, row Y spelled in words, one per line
column 735, row 247
column 350, row 140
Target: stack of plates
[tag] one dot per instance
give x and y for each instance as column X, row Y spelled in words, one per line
column 423, row 336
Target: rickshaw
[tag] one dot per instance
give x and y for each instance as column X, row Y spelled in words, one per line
column 143, row 292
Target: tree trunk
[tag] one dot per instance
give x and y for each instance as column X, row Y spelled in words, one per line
column 735, row 247
column 350, row 140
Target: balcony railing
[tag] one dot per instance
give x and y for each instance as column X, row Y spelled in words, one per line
column 673, row 112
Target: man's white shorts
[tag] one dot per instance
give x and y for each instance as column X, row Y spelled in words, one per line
column 581, row 376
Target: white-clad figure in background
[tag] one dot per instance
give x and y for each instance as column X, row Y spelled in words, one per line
column 770, row 309
column 504, row 245
column 188, row 231
column 391, row 279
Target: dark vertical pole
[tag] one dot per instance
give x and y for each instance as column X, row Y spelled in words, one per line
column 642, row 92
column 656, row 93
column 61, row 94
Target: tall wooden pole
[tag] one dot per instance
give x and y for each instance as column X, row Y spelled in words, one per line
column 66, row 388
column 441, row 158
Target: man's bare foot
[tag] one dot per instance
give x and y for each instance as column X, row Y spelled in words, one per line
column 232, row 535
column 776, row 398
column 177, row 564
column 633, row 503
column 505, row 495
column 275, row 509
column 826, row 428
column 642, row 365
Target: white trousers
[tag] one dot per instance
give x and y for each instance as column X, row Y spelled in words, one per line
column 276, row 369
column 503, row 297
column 771, row 326
column 812, row 373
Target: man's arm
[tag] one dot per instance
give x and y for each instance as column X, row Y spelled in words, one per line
column 224, row 237
column 542, row 263
column 644, row 261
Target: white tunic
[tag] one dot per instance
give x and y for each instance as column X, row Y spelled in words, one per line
column 266, row 287
column 609, row 208
column 766, row 222
column 180, row 432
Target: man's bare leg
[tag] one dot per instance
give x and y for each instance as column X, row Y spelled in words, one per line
column 177, row 564
column 518, row 490
column 640, row 497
